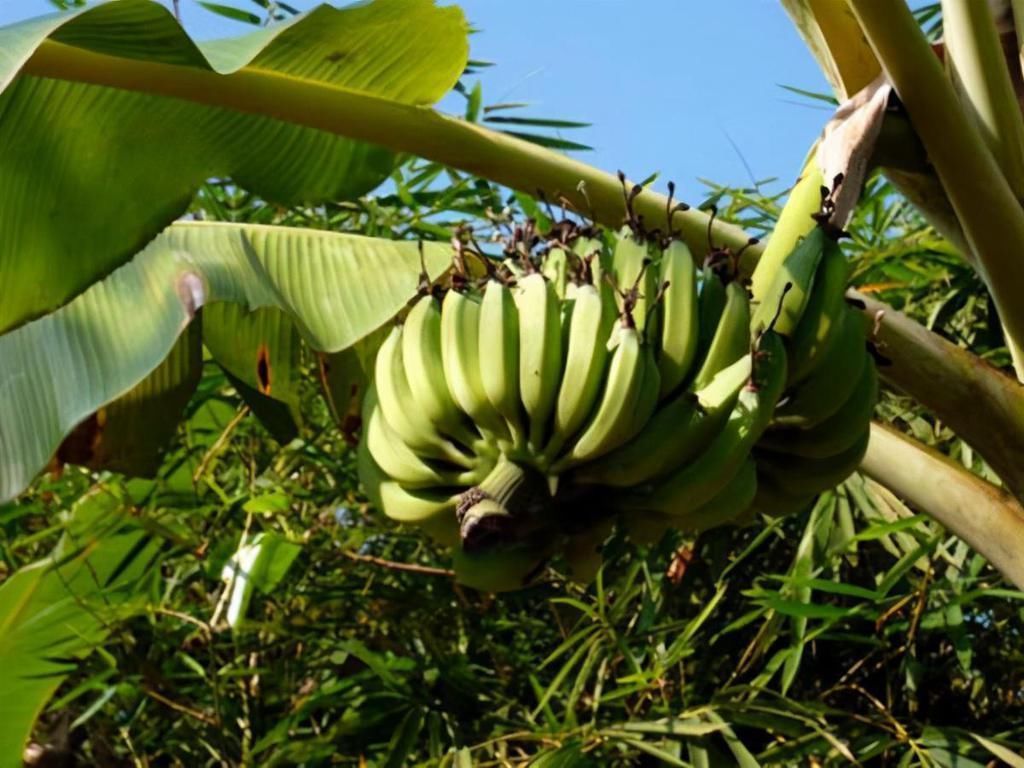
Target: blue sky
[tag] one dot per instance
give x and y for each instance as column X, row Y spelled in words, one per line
column 689, row 88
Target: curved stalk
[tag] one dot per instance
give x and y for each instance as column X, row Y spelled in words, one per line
column 400, row 127
column 980, row 403
column 986, row 206
column 987, row 518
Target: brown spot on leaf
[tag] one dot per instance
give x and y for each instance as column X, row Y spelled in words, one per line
column 263, row 369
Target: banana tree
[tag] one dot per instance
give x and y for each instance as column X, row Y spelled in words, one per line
column 316, row 108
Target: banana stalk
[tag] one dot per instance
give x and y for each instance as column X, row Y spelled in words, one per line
column 984, row 516
column 985, row 204
column 980, row 403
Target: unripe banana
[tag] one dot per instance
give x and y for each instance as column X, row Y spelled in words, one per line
column 586, row 355
column 499, row 355
column 818, row 397
column 800, row 476
column 676, row 433
column 616, row 418
column 732, row 337
column 460, row 356
column 817, row 328
column 392, row 455
column 773, row 501
column 836, row 433
column 499, row 570
column 679, row 316
column 630, row 257
column 421, row 357
column 395, row 396
column 784, row 302
column 540, row 353
column 699, row 482
column 556, row 268
column 711, row 305
column 729, row 505
column 429, row 510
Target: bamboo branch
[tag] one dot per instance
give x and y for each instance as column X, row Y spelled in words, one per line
column 980, row 403
column 991, row 217
column 400, row 127
column 987, row 518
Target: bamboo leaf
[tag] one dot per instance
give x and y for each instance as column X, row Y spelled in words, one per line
column 57, row 610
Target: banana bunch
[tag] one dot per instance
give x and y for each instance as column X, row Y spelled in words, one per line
column 592, row 377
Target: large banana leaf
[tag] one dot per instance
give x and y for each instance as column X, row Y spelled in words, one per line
column 130, row 434
column 90, row 174
column 59, row 369
column 57, row 610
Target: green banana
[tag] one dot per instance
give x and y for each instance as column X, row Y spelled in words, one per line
column 697, row 483
column 586, row 355
column 679, row 316
column 784, row 302
column 728, row 505
column 460, row 357
column 431, row 510
column 732, row 337
column 816, row 329
column 711, row 305
column 499, row 355
column 801, row 476
column 630, row 258
column 773, row 501
column 615, row 420
column 499, row 570
column 677, row 432
column 392, row 455
column 836, row 433
column 540, row 352
column 583, row 551
column 556, row 268
column 818, row 397
column 796, row 220
column 394, row 396
column 421, row 357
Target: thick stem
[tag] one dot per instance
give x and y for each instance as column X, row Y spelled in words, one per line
column 400, row 127
column 987, row 209
column 975, row 62
column 502, row 506
column 981, row 404
column 987, row 518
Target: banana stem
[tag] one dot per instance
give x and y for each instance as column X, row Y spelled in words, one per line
column 492, row 512
column 400, row 127
column 978, row 69
column 981, row 404
column 986, row 206
column 987, row 518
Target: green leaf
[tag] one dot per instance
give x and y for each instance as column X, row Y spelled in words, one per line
column 259, row 564
column 130, row 434
column 403, row 741
column 91, row 174
column 58, row 610
column 111, row 337
column 1007, row 755
column 230, row 12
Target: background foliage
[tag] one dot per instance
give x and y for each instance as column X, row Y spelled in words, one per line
column 858, row 633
